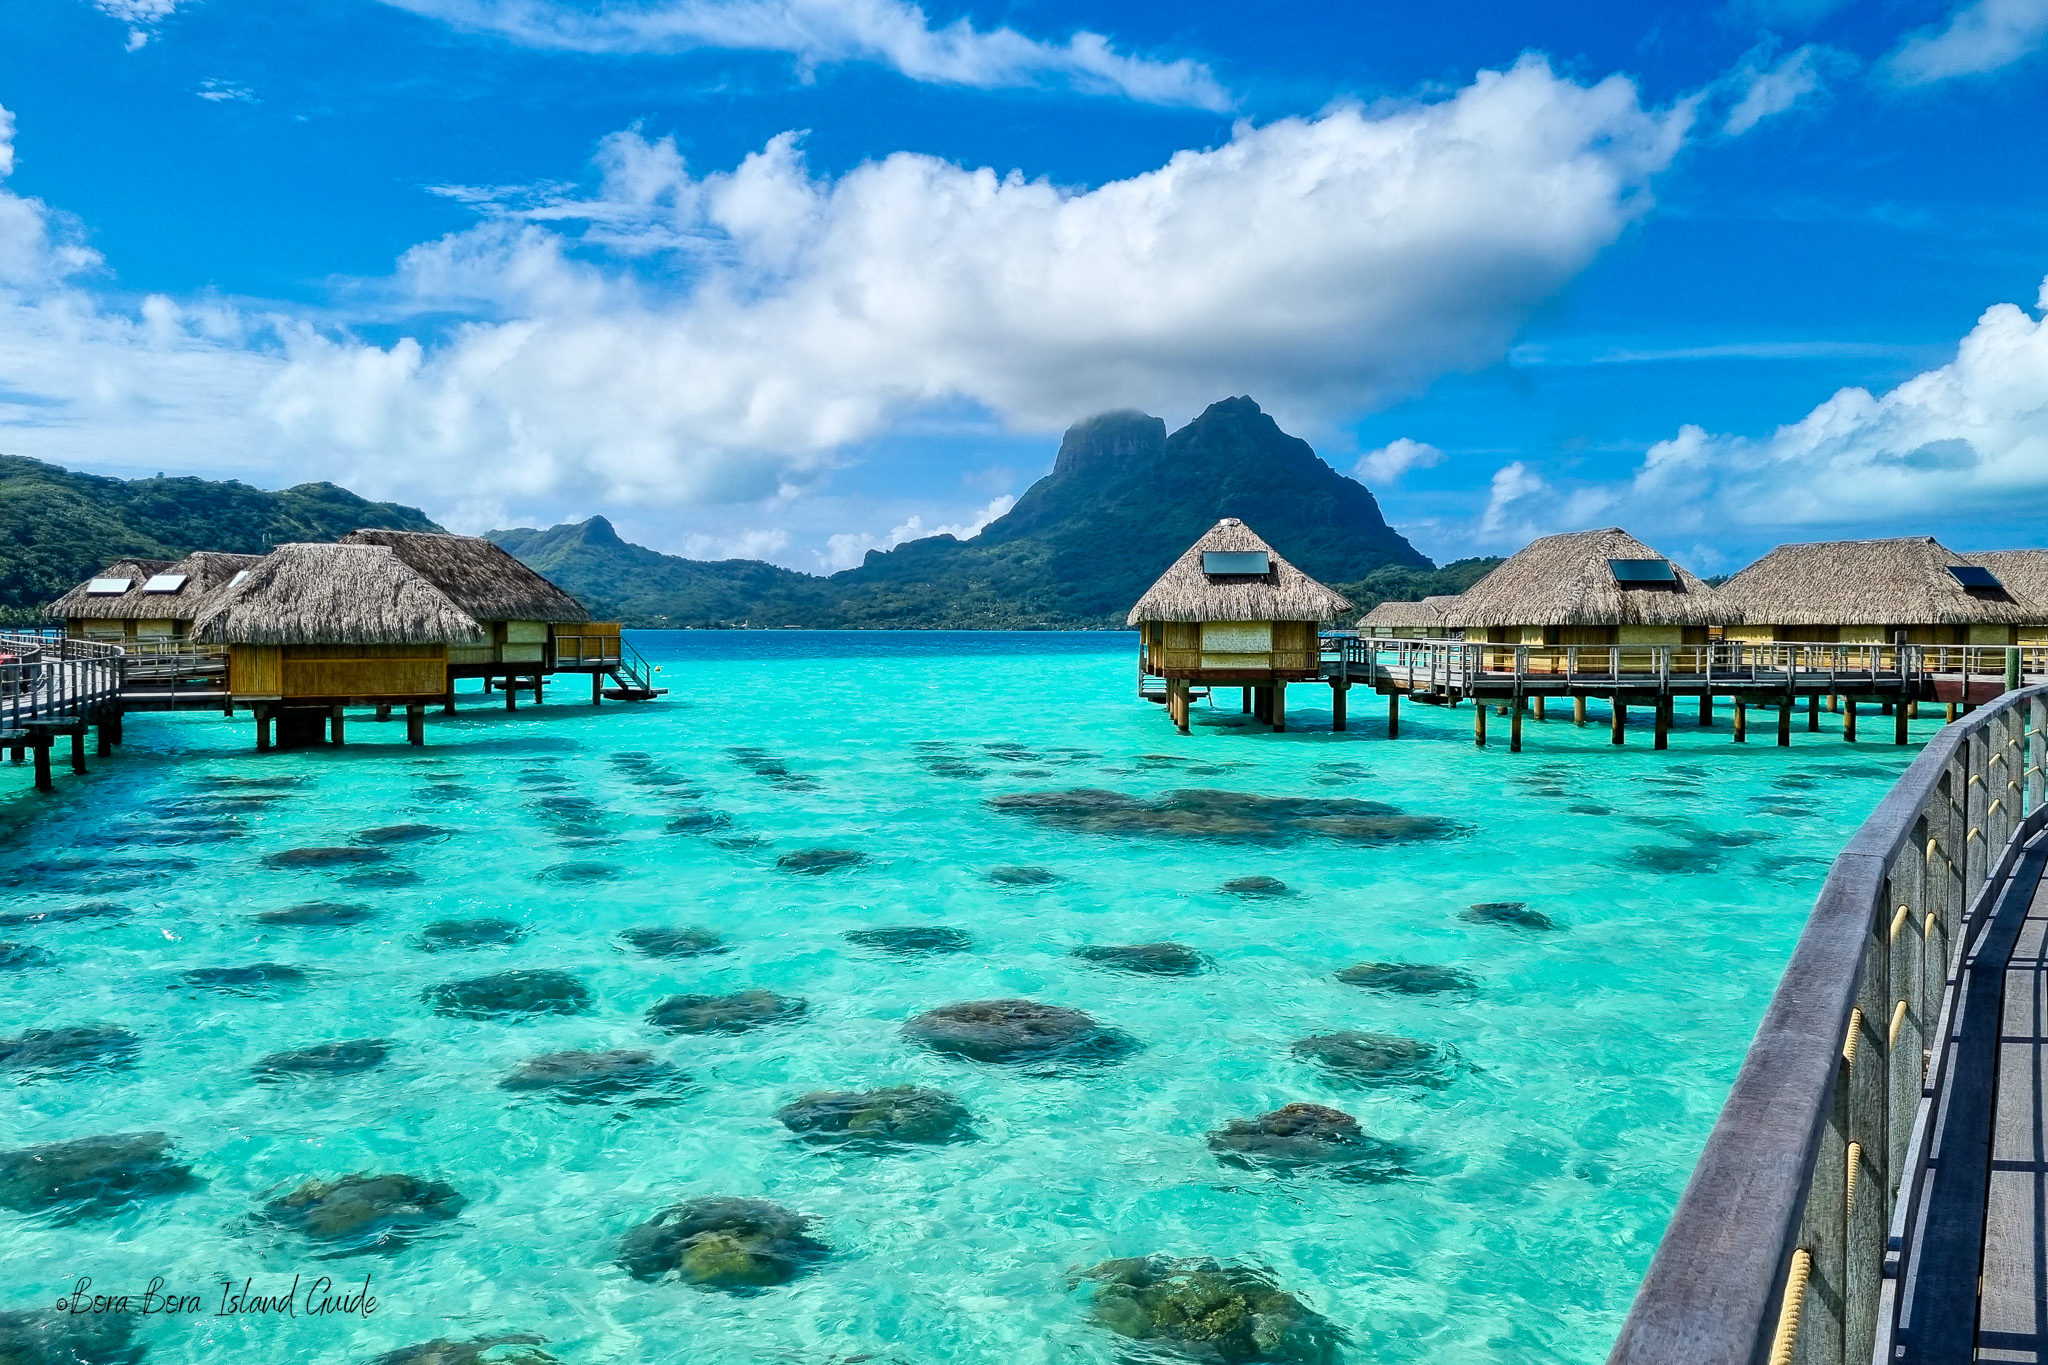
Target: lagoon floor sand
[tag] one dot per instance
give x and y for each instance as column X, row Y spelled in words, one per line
column 794, row 794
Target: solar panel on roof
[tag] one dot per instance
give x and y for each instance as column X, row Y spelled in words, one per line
column 236, row 581
column 1974, row 576
column 1630, row 572
column 165, row 582
column 1236, row 561
column 107, row 587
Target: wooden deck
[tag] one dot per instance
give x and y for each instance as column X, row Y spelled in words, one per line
column 2012, row 1313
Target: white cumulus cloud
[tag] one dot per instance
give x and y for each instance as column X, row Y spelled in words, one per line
column 1979, row 36
column 1763, row 90
column 821, row 32
column 141, row 16
column 1394, row 459
column 697, row 340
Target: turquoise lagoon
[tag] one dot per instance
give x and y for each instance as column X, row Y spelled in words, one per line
column 1592, row 1058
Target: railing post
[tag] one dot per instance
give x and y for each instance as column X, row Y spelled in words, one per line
column 1867, row 1206
column 1909, row 1012
column 1976, row 814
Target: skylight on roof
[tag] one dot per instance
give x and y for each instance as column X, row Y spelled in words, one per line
column 236, row 581
column 165, row 582
column 1974, row 576
column 107, row 587
column 1632, row 573
column 1236, row 562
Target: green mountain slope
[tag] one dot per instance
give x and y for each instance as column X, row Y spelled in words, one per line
column 1124, row 499
column 58, row 527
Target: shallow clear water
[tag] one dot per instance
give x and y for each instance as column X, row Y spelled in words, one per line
column 1591, row 1058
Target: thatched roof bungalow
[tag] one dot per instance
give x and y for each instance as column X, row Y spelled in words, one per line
column 2024, row 574
column 333, row 625
column 1870, row 591
column 1600, row 587
column 1232, row 610
column 116, row 603
column 1424, row 620
column 519, row 610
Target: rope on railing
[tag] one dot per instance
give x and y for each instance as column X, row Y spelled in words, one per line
column 1795, row 1304
column 1898, row 1020
column 1849, row 1196
column 1855, row 1032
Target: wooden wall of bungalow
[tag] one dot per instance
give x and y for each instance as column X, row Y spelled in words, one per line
column 1231, row 652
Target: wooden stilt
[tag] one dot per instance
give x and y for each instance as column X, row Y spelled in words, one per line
column 336, row 735
column 1177, row 702
column 262, row 726
column 383, row 710
column 1279, row 707
column 41, row 745
column 597, row 689
column 103, row 743
column 1537, row 703
column 1393, row 715
column 1912, row 710
column 1579, row 711
column 1899, row 719
column 1951, row 713
column 17, row 752
column 1741, row 721
column 1707, row 711
column 448, row 702
column 114, row 722
column 1884, row 708
column 1834, row 703
column 1618, row 720
column 416, row 725
column 1479, row 725
column 1663, row 739
column 1785, row 724
column 1849, row 719
column 78, row 748
column 1515, row 728
column 536, row 689
column 1244, row 700
column 511, row 695
column 1337, row 691
column 1813, row 713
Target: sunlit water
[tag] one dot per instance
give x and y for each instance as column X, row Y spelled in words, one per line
column 1591, row 1058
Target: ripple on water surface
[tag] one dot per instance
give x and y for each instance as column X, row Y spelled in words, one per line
column 821, row 1011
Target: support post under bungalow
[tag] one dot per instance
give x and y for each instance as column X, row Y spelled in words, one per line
column 511, row 694
column 1741, row 721
column 597, row 689
column 103, row 739
column 1900, row 716
column 1785, row 722
column 1537, row 703
column 1515, row 727
column 1849, row 719
column 1813, row 714
column 1579, row 710
column 1618, row 719
column 448, row 702
column 1338, row 687
column 262, row 726
column 1279, row 707
column 40, row 742
column 337, row 736
column 416, row 725
column 1244, row 700
column 1393, row 715
column 1663, row 739
column 1479, row 725
column 383, row 710
column 78, row 748
column 1706, row 710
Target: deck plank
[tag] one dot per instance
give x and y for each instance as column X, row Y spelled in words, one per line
column 2012, row 1321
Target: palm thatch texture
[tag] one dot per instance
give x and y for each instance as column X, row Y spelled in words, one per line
column 1283, row 593
column 1427, row 614
column 1901, row 582
column 1569, row 580
column 81, row 604
column 2025, row 576
column 478, row 576
column 334, row 595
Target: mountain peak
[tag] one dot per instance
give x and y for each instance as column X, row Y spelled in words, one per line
column 598, row 531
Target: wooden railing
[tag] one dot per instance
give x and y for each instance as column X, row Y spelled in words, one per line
column 597, row 644
column 1796, row 1229
column 45, row 677
column 1454, row 661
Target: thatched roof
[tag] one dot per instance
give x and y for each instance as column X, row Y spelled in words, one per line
column 334, row 595
column 478, row 576
column 1567, row 581
column 78, row 604
column 1901, row 582
column 1282, row 593
column 1428, row 612
column 2024, row 574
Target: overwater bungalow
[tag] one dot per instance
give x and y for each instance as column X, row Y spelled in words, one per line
column 1424, row 620
column 2024, row 573
column 1232, row 611
column 315, row 628
column 1872, row 592
column 1590, row 588
column 125, row 601
column 532, row 627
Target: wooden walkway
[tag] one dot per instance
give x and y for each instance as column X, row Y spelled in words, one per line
column 2012, row 1313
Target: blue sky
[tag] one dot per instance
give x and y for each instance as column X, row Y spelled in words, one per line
column 795, row 278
